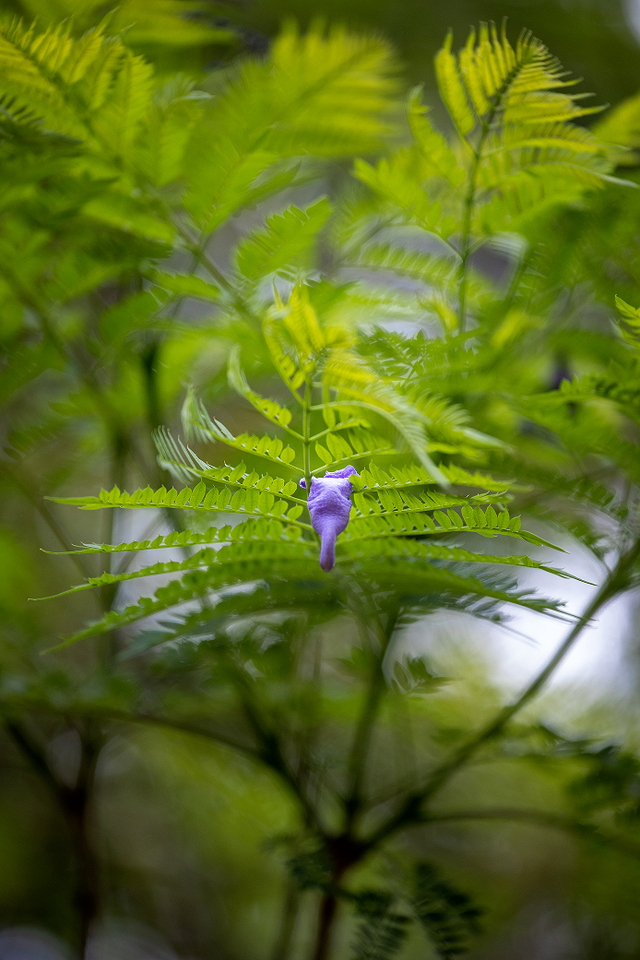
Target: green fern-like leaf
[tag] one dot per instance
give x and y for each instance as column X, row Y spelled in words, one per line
column 325, row 94
column 430, row 269
column 198, row 584
column 399, row 182
column 520, row 149
column 175, row 109
column 448, row 916
column 381, row 931
column 360, row 387
column 260, row 529
column 285, row 245
column 630, row 328
column 129, row 99
column 374, row 477
column 59, row 78
column 185, row 465
column 528, row 139
column 244, row 500
column 271, row 545
column 387, row 544
column 620, row 128
column 273, row 411
column 167, row 22
column 185, row 285
column 198, row 424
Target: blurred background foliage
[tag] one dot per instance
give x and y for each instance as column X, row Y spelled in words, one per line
column 593, row 39
column 187, row 832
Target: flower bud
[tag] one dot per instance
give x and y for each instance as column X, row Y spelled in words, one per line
column 329, row 503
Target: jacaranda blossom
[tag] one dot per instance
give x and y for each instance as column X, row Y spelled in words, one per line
column 329, row 504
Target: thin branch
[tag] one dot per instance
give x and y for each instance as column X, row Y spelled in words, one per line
column 196, row 248
column 290, row 910
column 183, row 726
column 34, row 754
column 49, row 518
column 541, row 818
column 364, row 729
column 270, row 752
column 410, row 812
column 306, row 431
column 470, row 198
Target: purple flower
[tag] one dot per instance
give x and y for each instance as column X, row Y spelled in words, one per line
column 329, row 503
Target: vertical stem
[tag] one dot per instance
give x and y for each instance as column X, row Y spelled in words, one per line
column 119, row 449
column 465, row 238
column 290, row 907
column 148, row 360
column 465, row 249
column 361, row 743
column 306, row 433
column 76, row 804
column 345, row 853
column 86, row 894
column 364, row 729
column 328, row 908
column 154, row 412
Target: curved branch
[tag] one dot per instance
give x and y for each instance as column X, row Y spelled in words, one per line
column 540, row 818
column 411, row 810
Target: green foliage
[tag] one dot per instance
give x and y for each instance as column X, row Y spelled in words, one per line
column 448, row 916
column 185, row 258
column 287, row 237
column 382, row 510
column 322, row 95
column 381, row 932
column 170, row 22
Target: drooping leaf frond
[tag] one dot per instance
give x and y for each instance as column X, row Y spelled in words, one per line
column 389, row 545
column 449, row 917
column 320, row 93
column 620, row 128
column 285, row 245
column 198, row 584
column 168, row 22
column 273, row 411
column 63, row 80
column 381, row 931
column 250, row 529
column 199, row 425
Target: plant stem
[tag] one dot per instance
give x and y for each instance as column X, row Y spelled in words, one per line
column 544, row 819
column 290, row 907
column 469, row 201
column 197, row 249
column 328, row 909
column 306, row 433
column 465, row 237
column 74, row 803
column 37, row 501
column 465, row 240
column 364, row 729
column 270, row 750
column 410, row 812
